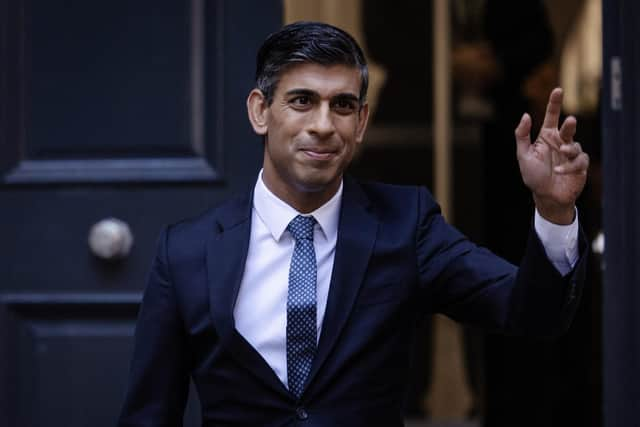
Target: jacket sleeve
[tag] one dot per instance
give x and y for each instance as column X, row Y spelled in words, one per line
column 159, row 375
column 473, row 285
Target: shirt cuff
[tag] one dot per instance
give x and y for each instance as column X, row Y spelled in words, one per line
column 560, row 242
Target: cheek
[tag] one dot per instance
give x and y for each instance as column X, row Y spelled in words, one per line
column 284, row 134
column 347, row 126
column 278, row 141
column 349, row 135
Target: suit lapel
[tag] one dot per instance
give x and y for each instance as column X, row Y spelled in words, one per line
column 226, row 256
column 356, row 237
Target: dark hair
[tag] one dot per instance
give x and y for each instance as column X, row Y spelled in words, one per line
column 307, row 42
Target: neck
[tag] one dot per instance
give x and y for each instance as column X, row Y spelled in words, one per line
column 302, row 200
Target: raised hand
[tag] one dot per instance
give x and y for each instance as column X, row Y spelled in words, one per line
column 554, row 167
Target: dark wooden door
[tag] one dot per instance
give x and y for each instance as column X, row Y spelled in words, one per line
column 621, row 212
column 122, row 109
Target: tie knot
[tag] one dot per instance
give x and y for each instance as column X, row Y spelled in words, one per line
column 301, row 227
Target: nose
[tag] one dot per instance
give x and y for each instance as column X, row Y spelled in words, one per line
column 321, row 124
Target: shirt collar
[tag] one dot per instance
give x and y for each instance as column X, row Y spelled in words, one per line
column 276, row 214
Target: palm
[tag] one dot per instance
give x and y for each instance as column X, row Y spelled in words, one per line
column 537, row 169
column 554, row 166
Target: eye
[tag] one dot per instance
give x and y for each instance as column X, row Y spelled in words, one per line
column 344, row 106
column 300, row 102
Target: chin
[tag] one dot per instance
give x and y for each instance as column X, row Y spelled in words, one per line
column 317, row 182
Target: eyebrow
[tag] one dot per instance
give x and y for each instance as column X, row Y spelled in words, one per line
column 348, row 96
column 306, row 92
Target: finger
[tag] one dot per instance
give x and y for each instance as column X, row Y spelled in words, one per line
column 576, row 166
column 523, row 135
column 552, row 116
column 568, row 129
column 571, row 150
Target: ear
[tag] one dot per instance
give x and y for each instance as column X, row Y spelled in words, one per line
column 258, row 111
column 363, row 119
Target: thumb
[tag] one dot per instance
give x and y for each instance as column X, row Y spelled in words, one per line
column 523, row 135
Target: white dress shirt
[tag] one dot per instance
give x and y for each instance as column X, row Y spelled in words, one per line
column 260, row 312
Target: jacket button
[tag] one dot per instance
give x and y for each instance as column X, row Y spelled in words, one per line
column 572, row 291
column 302, row 414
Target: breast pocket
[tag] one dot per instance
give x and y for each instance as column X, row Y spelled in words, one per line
column 379, row 294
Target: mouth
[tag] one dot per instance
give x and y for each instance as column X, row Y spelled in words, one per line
column 322, row 155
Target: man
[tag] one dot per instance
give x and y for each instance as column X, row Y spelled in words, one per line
column 294, row 304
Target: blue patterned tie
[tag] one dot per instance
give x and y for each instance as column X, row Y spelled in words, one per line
column 301, row 304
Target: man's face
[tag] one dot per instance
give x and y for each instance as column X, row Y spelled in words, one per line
column 312, row 129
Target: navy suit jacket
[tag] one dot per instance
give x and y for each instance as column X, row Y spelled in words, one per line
column 396, row 260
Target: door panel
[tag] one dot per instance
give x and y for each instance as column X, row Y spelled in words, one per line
column 621, row 212
column 68, row 359
column 120, row 73
column 133, row 110
column 116, row 91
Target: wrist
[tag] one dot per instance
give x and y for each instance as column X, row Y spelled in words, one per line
column 556, row 213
